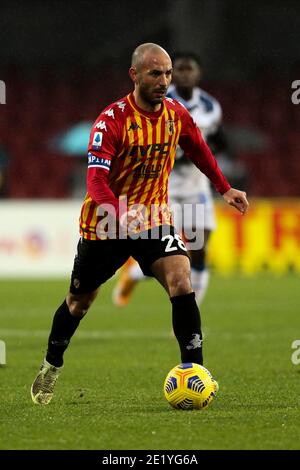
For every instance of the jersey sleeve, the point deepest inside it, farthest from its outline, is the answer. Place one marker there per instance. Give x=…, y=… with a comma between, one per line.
x=104, y=140
x=194, y=146
x=104, y=144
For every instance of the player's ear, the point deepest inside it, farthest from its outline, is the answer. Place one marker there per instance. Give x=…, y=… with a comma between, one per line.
x=133, y=74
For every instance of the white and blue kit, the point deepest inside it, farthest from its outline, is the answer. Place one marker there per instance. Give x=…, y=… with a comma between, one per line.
x=187, y=185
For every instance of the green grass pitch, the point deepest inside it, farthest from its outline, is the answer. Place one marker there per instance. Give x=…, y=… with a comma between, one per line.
x=110, y=393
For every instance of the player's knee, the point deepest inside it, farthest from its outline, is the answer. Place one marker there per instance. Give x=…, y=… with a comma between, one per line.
x=78, y=310
x=79, y=307
x=79, y=304
x=180, y=284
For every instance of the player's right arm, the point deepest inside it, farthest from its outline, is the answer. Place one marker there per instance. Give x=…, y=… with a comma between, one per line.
x=104, y=144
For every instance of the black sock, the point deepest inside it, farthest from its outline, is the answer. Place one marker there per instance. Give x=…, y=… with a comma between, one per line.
x=63, y=327
x=187, y=327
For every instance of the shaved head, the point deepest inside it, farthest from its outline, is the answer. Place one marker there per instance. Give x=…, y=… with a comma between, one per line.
x=146, y=50
x=151, y=73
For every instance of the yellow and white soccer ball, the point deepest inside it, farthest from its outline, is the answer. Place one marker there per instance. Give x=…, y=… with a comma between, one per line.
x=190, y=386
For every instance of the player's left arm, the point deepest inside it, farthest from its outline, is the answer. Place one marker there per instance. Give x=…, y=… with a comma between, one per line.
x=194, y=146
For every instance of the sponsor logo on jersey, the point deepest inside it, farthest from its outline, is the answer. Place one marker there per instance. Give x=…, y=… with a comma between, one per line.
x=150, y=150
x=98, y=162
x=148, y=171
x=110, y=113
x=97, y=140
x=121, y=105
x=134, y=126
x=101, y=125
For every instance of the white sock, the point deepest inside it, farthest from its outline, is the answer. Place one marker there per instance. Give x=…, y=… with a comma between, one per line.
x=199, y=281
x=135, y=272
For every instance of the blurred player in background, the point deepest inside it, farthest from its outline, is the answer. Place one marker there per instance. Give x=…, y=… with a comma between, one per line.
x=186, y=184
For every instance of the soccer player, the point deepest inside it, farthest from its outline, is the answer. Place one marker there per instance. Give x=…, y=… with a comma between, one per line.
x=187, y=185
x=131, y=152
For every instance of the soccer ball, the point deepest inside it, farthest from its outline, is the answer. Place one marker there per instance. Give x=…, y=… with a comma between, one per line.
x=190, y=386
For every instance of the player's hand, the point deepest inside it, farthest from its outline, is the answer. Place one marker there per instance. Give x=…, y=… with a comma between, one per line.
x=131, y=220
x=237, y=199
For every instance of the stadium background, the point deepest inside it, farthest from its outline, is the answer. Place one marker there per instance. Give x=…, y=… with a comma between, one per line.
x=62, y=70
x=62, y=62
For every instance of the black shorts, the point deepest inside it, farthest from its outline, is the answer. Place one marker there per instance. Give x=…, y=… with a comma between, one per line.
x=97, y=260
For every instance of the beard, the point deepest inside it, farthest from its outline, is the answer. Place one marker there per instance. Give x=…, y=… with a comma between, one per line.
x=148, y=95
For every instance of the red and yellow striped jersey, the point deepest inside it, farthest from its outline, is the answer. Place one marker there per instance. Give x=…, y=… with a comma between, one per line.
x=135, y=150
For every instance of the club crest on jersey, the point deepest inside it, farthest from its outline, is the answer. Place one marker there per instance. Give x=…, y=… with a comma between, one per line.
x=170, y=127
x=97, y=140
x=76, y=283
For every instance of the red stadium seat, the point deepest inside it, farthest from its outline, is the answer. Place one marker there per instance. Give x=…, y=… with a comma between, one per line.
x=46, y=102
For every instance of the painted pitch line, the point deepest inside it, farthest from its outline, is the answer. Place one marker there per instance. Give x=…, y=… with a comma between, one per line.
x=104, y=334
